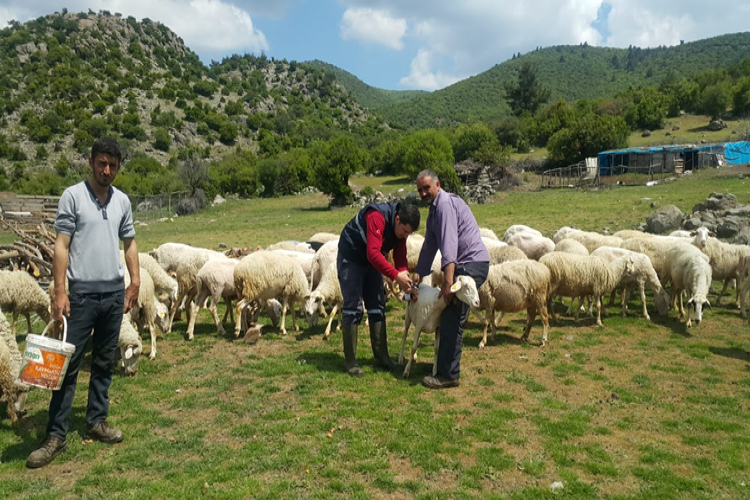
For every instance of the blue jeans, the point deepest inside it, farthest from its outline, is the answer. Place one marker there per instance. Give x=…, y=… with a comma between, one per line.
x=101, y=312
x=452, y=323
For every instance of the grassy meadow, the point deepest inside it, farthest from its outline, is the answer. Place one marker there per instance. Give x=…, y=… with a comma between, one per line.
x=635, y=410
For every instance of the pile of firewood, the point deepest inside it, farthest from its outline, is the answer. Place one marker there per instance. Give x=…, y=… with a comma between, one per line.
x=32, y=253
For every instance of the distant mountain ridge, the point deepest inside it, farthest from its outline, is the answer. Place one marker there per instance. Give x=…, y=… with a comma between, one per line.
x=570, y=72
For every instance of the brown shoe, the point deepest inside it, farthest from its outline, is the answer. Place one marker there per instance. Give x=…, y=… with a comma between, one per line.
x=438, y=382
x=46, y=453
x=102, y=431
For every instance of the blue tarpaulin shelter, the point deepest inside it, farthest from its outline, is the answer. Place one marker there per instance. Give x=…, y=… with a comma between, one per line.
x=737, y=153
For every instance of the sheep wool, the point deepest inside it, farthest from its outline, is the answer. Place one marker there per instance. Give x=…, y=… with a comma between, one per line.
x=267, y=275
x=21, y=294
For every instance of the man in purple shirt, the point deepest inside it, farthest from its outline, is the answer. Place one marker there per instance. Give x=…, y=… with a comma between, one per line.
x=452, y=229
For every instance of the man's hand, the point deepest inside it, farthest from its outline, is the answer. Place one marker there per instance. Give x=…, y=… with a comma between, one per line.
x=445, y=292
x=61, y=305
x=131, y=296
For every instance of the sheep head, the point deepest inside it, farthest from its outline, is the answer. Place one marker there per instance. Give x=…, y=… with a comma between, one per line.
x=465, y=289
x=312, y=307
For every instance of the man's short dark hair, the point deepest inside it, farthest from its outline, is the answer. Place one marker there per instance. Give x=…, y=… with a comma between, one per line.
x=106, y=146
x=409, y=215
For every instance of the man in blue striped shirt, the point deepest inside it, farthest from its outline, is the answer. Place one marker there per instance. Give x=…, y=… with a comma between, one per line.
x=452, y=229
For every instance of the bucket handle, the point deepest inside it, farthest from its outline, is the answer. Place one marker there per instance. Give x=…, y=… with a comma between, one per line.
x=65, y=328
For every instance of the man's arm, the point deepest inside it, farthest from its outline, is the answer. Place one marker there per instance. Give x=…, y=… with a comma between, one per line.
x=134, y=269
x=60, y=303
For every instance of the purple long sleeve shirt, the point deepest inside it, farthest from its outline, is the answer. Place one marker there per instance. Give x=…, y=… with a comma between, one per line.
x=452, y=229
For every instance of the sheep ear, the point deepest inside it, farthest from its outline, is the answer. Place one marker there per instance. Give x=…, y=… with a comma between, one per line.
x=712, y=234
x=456, y=286
x=708, y=304
x=129, y=352
x=693, y=233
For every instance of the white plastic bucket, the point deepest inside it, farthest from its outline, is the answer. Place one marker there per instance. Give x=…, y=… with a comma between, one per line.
x=46, y=360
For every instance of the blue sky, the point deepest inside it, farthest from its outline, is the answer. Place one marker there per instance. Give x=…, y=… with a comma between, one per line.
x=412, y=44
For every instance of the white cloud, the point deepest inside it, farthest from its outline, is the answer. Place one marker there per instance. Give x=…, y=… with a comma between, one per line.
x=422, y=76
x=211, y=28
x=468, y=37
x=373, y=26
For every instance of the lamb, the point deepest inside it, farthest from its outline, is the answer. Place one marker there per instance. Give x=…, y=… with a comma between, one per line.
x=328, y=291
x=570, y=245
x=519, y=228
x=592, y=240
x=514, y=286
x=305, y=259
x=576, y=275
x=690, y=271
x=215, y=280
x=265, y=275
x=486, y=232
x=724, y=258
x=131, y=346
x=168, y=254
x=322, y=259
x=21, y=294
x=643, y=275
x=425, y=313
x=533, y=245
x=163, y=282
x=187, y=269
x=12, y=390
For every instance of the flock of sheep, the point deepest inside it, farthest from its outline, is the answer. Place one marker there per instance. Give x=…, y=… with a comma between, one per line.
x=527, y=272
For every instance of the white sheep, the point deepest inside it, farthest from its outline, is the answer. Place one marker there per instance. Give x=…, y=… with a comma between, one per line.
x=214, y=280
x=724, y=257
x=130, y=345
x=21, y=294
x=328, y=292
x=656, y=249
x=148, y=311
x=690, y=271
x=188, y=266
x=592, y=240
x=322, y=238
x=295, y=246
x=643, y=275
x=533, y=245
x=305, y=259
x=168, y=254
x=681, y=233
x=577, y=275
x=519, y=228
x=626, y=234
x=498, y=255
x=426, y=311
x=12, y=390
x=322, y=259
x=563, y=232
x=490, y=243
x=514, y=286
x=486, y=232
x=570, y=245
x=266, y=275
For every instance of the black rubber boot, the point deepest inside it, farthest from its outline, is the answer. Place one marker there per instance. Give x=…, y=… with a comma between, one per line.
x=379, y=340
x=350, y=350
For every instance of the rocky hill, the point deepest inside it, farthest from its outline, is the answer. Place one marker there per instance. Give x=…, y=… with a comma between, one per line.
x=66, y=78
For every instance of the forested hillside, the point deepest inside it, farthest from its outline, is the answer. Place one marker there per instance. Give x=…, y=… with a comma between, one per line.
x=369, y=97
x=67, y=78
x=570, y=73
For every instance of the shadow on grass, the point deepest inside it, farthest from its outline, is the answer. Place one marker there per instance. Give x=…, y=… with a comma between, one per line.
x=399, y=181
x=731, y=352
x=311, y=209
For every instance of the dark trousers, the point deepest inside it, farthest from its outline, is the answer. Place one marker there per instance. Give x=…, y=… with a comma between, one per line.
x=360, y=282
x=102, y=313
x=452, y=323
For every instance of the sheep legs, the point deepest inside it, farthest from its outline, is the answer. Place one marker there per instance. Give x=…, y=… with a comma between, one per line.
x=327, y=333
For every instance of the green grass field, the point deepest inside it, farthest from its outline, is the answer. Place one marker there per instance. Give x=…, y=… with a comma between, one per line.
x=634, y=410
